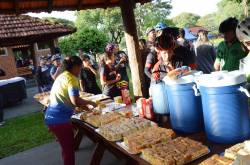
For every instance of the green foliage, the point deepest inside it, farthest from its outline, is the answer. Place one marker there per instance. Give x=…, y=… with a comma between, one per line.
x=186, y=20
x=86, y=39
x=91, y=39
x=68, y=45
x=228, y=8
x=110, y=20
x=149, y=14
x=89, y=18
x=209, y=22
x=64, y=22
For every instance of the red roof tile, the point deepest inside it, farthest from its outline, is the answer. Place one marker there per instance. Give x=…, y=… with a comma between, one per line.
x=19, y=28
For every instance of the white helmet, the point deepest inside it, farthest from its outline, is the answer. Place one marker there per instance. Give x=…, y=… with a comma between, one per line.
x=243, y=30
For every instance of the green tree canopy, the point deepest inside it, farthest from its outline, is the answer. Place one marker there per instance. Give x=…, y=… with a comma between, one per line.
x=149, y=14
x=186, y=20
x=209, y=22
x=229, y=8
x=62, y=21
x=110, y=20
x=88, y=39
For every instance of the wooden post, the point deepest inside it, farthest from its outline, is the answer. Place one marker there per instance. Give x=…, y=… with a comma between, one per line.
x=52, y=46
x=34, y=55
x=135, y=61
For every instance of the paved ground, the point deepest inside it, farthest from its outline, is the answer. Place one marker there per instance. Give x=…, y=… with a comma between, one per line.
x=49, y=154
x=27, y=106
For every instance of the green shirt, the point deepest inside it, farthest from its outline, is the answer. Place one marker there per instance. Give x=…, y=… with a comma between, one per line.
x=229, y=56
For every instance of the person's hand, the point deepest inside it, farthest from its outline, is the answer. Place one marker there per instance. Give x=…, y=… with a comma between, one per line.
x=123, y=59
x=92, y=104
x=88, y=65
x=59, y=69
x=118, y=77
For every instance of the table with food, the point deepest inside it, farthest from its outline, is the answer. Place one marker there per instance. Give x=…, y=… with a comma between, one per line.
x=211, y=127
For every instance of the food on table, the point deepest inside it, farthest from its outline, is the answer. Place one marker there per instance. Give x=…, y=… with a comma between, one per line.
x=98, y=120
x=216, y=160
x=242, y=156
x=125, y=126
x=101, y=106
x=128, y=113
x=232, y=152
x=178, y=151
x=148, y=137
x=43, y=98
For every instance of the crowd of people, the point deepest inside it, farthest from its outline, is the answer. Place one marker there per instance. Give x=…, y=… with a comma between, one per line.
x=165, y=50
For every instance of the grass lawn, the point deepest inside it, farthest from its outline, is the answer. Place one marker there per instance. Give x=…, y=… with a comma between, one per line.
x=22, y=133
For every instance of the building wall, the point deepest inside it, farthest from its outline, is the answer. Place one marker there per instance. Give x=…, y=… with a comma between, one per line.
x=8, y=64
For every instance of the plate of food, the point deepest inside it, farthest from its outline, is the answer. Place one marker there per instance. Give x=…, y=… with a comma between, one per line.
x=177, y=151
x=115, y=131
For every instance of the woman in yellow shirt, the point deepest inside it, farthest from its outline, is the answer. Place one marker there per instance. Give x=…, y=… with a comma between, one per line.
x=63, y=98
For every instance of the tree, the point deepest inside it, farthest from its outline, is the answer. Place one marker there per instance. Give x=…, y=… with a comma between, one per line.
x=209, y=22
x=108, y=20
x=88, y=39
x=229, y=8
x=64, y=22
x=245, y=4
x=113, y=24
x=149, y=14
x=89, y=18
x=186, y=20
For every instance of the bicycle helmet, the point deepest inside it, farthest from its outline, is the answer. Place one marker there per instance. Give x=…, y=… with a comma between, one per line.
x=160, y=26
x=110, y=48
x=243, y=30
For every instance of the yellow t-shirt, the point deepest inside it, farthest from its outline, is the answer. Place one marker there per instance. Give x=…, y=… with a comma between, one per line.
x=60, y=108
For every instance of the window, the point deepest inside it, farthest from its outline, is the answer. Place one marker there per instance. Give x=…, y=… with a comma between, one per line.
x=3, y=52
x=42, y=45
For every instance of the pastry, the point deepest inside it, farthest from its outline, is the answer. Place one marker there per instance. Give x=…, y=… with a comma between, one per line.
x=125, y=126
x=178, y=151
x=148, y=137
x=232, y=151
x=98, y=120
x=217, y=160
x=126, y=113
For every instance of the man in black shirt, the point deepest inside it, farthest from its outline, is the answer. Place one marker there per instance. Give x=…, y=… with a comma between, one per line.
x=88, y=77
x=121, y=63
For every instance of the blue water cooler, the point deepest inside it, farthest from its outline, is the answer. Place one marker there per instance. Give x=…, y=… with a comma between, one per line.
x=225, y=107
x=159, y=97
x=184, y=105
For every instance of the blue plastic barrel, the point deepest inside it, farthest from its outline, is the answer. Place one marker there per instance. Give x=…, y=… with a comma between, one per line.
x=226, y=115
x=159, y=97
x=185, y=108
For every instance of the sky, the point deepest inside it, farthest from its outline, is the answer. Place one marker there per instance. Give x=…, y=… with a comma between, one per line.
x=200, y=7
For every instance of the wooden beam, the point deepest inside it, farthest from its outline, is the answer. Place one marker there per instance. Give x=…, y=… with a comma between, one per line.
x=106, y=4
x=79, y=4
x=16, y=6
x=132, y=43
x=50, y=6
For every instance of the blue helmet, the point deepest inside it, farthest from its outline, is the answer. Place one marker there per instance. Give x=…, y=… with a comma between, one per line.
x=160, y=26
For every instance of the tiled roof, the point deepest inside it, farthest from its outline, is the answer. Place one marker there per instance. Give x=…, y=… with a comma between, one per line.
x=23, y=27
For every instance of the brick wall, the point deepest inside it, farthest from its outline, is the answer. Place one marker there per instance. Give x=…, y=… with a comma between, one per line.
x=7, y=63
